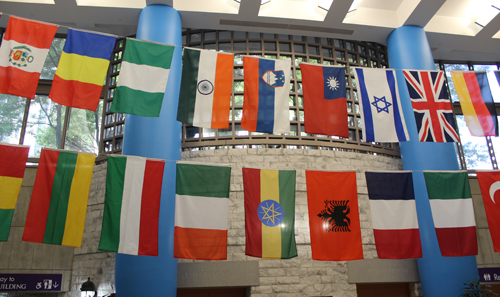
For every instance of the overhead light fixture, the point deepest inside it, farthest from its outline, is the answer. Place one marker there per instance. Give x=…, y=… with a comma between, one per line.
x=486, y=15
x=325, y=4
x=88, y=289
x=355, y=4
x=262, y=2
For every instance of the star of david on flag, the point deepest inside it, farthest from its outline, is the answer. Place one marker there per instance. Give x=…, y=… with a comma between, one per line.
x=381, y=112
x=431, y=106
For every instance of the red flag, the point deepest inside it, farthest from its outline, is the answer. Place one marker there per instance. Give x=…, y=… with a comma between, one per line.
x=333, y=216
x=489, y=183
x=325, y=104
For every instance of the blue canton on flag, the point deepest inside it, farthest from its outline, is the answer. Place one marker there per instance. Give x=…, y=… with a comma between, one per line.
x=334, y=82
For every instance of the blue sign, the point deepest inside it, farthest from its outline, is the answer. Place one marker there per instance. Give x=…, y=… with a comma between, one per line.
x=270, y=213
x=30, y=282
x=489, y=274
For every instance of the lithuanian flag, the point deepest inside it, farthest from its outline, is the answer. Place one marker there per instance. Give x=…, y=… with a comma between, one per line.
x=58, y=206
x=269, y=213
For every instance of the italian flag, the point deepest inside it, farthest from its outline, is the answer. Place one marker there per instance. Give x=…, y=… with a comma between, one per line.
x=269, y=213
x=201, y=206
x=205, y=95
x=58, y=205
x=451, y=204
x=143, y=78
x=132, y=205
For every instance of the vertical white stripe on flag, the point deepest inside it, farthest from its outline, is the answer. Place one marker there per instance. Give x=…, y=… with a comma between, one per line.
x=394, y=214
x=281, y=113
x=131, y=205
x=36, y=56
x=204, y=103
x=453, y=213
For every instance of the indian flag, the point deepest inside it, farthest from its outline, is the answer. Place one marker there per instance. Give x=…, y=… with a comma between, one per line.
x=201, y=205
x=269, y=213
x=132, y=205
x=12, y=165
x=58, y=205
x=205, y=95
x=453, y=213
x=143, y=78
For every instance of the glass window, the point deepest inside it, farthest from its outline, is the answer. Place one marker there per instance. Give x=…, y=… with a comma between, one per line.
x=313, y=50
x=209, y=36
x=196, y=37
x=327, y=52
x=285, y=47
x=254, y=35
x=340, y=55
x=225, y=47
x=475, y=149
x=207, y=132
x=83, y=130
x=269, y=36
x=224, y=34
x=270, y=46
x=11, y=118
x=240, y=46
x=52, y=59
x=240, y=35
x=299, y=48
x=254, y=46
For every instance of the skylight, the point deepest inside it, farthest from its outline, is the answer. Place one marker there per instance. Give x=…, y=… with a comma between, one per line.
x=113, y=3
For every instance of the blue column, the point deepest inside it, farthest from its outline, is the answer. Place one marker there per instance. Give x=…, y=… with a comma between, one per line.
x=156, y=138
x=440, y=276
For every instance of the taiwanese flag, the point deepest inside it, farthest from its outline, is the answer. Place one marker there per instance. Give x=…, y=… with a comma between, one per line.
x=332, y=200
x=489, y=183
x=325, y=103
x=269, y=213
x=394, y=215
x=476, y=100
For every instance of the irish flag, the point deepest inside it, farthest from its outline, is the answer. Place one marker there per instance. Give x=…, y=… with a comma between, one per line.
x=269, y=213
x=452, y=212
x=205, y=95
x=58, y=205
x=132, y=205
x=12, y=165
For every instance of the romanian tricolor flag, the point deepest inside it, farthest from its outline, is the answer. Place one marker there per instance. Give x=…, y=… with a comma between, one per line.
x=477, y=103
x=12, y=164
x=269, y=213
x=82, y=69
x=58, y=206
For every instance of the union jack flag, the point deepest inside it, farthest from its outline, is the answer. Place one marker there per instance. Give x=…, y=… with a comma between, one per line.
x=431, y=106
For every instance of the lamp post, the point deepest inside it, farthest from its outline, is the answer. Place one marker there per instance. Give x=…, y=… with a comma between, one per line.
x=88, y=289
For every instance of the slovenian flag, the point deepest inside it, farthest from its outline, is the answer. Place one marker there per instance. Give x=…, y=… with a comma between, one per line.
x=265, y=105
x=201, y=206
x=58, y=205
x=269, y=213
x=82, y=69
x=325, y=103
x=206, y=85
x=476, y=100
x=132, y=205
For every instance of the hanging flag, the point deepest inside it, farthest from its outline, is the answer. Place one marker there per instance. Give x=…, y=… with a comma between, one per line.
x=394, y=215
x=476, y=101
x=489, y=183
x=132, y=205
x=24, y=48
x=325, y=103
x=82, y=69
x=206, y=85
x=12, y=165
x=58, y=205
x=201, y=206
x=143, y=78
x=431, y=106
x=452, y=212
x=265, y=104
x=332, y=200
x=381, y=112
x=269, y=213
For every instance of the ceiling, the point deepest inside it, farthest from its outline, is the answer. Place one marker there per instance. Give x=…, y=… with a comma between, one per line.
x=451, y=25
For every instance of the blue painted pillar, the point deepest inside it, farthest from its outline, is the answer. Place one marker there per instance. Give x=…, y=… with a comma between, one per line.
x=156, y=138
x=440, y=276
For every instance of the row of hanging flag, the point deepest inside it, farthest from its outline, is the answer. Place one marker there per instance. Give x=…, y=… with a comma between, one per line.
x=58, y=206
x=206, y=87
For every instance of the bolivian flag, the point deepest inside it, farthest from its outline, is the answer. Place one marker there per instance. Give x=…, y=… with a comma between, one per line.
x=58, y=205
x=269, y=213
x=12, y=165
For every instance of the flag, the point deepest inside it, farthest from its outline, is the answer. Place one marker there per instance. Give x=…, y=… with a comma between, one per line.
x=24, y=48
x=381, y=112
x=206, y=85
x=431, y=106
x=132, y=205
x=394, y=215
x=269, y=213
x=325, y=103
x=476, y=101
x=332, y=200
x=82, y=69
x=58, y=205
x=489, y=183
x=12, y=164
x=452, y=211
x=265, y=104
x=143, y=78
x=201, y=206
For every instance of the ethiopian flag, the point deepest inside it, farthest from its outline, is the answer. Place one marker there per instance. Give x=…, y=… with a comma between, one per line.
x=269, y=213
x=58, y=206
